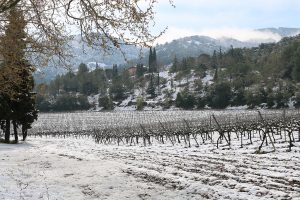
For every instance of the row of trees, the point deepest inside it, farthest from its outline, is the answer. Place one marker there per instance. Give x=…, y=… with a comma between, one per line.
x=222, y=95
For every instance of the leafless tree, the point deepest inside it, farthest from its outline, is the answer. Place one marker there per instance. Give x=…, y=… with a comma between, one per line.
x=102, y=24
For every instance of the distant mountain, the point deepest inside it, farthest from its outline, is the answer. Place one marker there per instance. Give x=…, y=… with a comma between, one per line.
x=183, y=47
x=82, y=53
x=85, y=54
x=196, y=45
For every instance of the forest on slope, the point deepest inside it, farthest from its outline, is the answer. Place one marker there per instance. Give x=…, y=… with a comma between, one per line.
x=265, y=76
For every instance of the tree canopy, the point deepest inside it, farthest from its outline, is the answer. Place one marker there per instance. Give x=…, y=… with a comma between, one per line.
x=50, y=24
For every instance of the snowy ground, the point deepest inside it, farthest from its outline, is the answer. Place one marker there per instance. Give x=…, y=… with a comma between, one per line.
x=80, y=169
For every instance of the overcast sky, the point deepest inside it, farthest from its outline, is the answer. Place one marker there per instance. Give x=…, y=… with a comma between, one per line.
x=231, y=18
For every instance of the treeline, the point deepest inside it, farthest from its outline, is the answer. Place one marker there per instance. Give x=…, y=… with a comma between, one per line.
x=266, y=76
x=70, y=91
x=112, y=85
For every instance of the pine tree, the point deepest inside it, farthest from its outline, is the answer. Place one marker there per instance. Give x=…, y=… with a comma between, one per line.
x=158, y=84
x=179, y=100
x=296, y=65
x=12, y=47
x=82, y=68
x=216, y=75
x=150, y=61
x=214, y=60
x=139, y=70
x=154, y=61
x=115, y=71
x=184, y=64
x=151, y=88
x=175, y=65
x=106, y=102
x=220, y=58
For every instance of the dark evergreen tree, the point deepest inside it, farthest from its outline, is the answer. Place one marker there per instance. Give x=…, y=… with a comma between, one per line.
x=185, y=99
x=220, y=96
x=154, y=61
x=189, y=101
x=201, y=103
x=117, y=90
x=42, y=104
x=296, y=65
x=216, y=75
x=214, y=60
x=88, y=88
x=151, y=88
x=184, y=65
x=220, y=58
x=179, y=100
x=21, y=110
x=83, y=68
x=115, y=71
x=239, y=98
x=175, y=65
x=106, y=102
x=150, y=61
x=68, y=102
x=140, y=70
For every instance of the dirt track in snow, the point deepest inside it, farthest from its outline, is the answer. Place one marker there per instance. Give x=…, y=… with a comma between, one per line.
x=80, y=169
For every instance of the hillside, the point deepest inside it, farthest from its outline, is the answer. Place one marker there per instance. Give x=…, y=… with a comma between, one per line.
x=183, y=47
x=266, y=76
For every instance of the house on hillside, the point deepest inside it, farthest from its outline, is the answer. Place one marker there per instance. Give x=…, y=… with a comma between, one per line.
x=132, y=71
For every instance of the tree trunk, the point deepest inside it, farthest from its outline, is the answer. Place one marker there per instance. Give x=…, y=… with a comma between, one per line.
x=24, y=133
x=15, y=132
x=7, y=131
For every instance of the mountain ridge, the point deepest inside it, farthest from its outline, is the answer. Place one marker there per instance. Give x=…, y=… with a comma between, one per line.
x=182, y=47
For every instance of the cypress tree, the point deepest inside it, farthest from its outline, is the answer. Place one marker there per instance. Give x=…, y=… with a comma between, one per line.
x=150, y=61
x=220, y=57
x=154, y=61
x=115, y=71
x=21, y=104
x=214, y=60
x=175, y=65
x=151, y=88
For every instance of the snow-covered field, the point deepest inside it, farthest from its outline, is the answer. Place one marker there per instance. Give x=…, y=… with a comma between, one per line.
x=80, y=169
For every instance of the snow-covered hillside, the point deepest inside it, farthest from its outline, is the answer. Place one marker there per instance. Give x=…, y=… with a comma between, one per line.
x=170, y=85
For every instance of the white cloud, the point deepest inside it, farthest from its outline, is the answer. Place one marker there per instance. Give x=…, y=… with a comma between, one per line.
x=225, y=18
x=236, y=33
x=241, y=34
